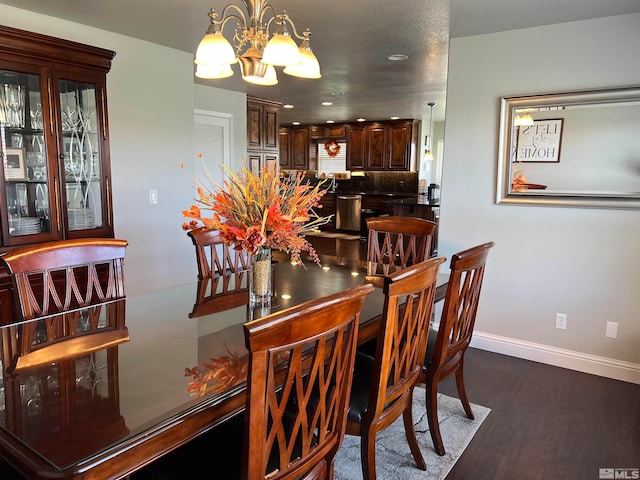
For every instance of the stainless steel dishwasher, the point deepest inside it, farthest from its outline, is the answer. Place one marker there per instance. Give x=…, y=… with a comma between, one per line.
x=348, y=212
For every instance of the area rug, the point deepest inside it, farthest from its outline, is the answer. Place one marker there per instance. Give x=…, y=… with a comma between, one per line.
x=393, y=457
x=340, y=236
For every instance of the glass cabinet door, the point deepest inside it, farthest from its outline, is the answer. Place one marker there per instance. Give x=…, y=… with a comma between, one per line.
x=82, y=156
x=24, y=155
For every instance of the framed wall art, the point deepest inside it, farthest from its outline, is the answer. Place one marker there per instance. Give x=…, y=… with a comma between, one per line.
x=14, y=166
x=539, y=142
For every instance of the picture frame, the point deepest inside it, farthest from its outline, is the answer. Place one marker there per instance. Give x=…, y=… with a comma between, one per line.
x=540, y=142
x=14, y=164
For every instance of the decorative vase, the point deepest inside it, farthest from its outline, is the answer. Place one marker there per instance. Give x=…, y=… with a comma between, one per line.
x=260, y=277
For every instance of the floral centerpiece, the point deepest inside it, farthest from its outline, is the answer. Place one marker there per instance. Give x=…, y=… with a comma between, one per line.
x=257, y=213
x=253, y=211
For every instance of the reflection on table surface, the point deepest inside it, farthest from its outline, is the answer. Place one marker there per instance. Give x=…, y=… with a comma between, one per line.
x=92, y=406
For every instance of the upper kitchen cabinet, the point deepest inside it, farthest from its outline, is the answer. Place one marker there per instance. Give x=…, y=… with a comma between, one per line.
x=56, y=180
x=294, y=148
x=299, y=148
x=356, y=147
x=285, y=147
x=390, y=145
x=263, y=124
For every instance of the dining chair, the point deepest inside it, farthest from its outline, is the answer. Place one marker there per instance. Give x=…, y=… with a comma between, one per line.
x=395, y=243
x=383, y=384
x=69, y=299
x=213, y=255
x=446, y=345
x=221, y=292
x=298, y=384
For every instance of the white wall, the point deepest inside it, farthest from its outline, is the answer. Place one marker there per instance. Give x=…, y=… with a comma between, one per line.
x=151, y=98
x=582, y=262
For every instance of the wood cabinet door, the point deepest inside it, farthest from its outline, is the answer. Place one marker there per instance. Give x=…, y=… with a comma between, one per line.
x=356, y=147
x=377, y=147
x=337, y=131
x=399, y=146
x=285, y=147
x=318, y=131
x=254, y=125
x=271, y=123
x=299, y=148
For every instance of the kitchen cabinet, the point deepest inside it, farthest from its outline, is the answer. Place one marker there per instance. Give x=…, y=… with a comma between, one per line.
x=328, y=202
x=377, y=147
x=356, y=147
x=318, y=132
x=263, y=130
x=389, y=146
x=381, y=146
x=299, y=148
x=56, y=180
x=284, y=149
x=294, y=148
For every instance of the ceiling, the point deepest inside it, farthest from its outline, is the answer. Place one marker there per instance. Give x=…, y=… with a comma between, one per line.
x=352, y=40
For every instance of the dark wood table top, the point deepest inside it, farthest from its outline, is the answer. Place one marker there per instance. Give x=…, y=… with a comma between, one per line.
x=105, y=414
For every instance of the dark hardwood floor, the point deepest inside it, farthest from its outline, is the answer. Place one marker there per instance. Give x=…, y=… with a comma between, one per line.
x=545, y=423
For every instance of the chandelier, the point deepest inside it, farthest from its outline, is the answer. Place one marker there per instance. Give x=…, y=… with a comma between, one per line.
x=252, y=48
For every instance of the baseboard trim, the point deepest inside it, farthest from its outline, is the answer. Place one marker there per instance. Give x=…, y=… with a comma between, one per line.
x=581, y=362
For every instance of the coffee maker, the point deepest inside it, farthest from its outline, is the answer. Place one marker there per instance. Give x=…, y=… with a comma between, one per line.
x=433, y=193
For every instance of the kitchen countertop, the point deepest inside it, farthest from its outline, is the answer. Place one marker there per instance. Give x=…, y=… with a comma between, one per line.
x=383, y=194
x=414, y=200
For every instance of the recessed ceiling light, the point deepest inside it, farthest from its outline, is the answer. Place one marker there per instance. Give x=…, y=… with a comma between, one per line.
x=295, y=123
x=331, y=121
x=287, y=106
x=327, y=103
x=397, y=57
x=394, y=118
x=360, y=119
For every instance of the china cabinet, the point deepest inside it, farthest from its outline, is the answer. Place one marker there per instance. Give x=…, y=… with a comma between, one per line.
x=54, y=144
x=54, y=139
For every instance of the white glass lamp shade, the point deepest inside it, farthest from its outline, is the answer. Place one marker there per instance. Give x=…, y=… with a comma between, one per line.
x=308, y=68
x=214, y=49
x=268, y=79
x=428, y=155
x=281, y=50
x=206, y=70
x=524, y=119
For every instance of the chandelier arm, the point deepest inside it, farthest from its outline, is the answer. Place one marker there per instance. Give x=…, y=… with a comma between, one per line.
x=227, y=16
x=295, y=31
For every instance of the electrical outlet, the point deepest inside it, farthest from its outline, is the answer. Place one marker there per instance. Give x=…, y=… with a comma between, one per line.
x=153, y=197
x=561, y=321
x=612, y=330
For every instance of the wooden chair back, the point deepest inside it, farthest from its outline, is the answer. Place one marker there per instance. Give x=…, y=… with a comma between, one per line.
x=300, y=370
x=460, y=305
x=214, y=256
x=395, y=243
x=392, y=374
x=447, y=346
x=221, y=292
x=60, y=276
x=70, y=296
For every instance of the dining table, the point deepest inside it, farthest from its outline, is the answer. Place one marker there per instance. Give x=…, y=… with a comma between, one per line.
x=105, y=414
